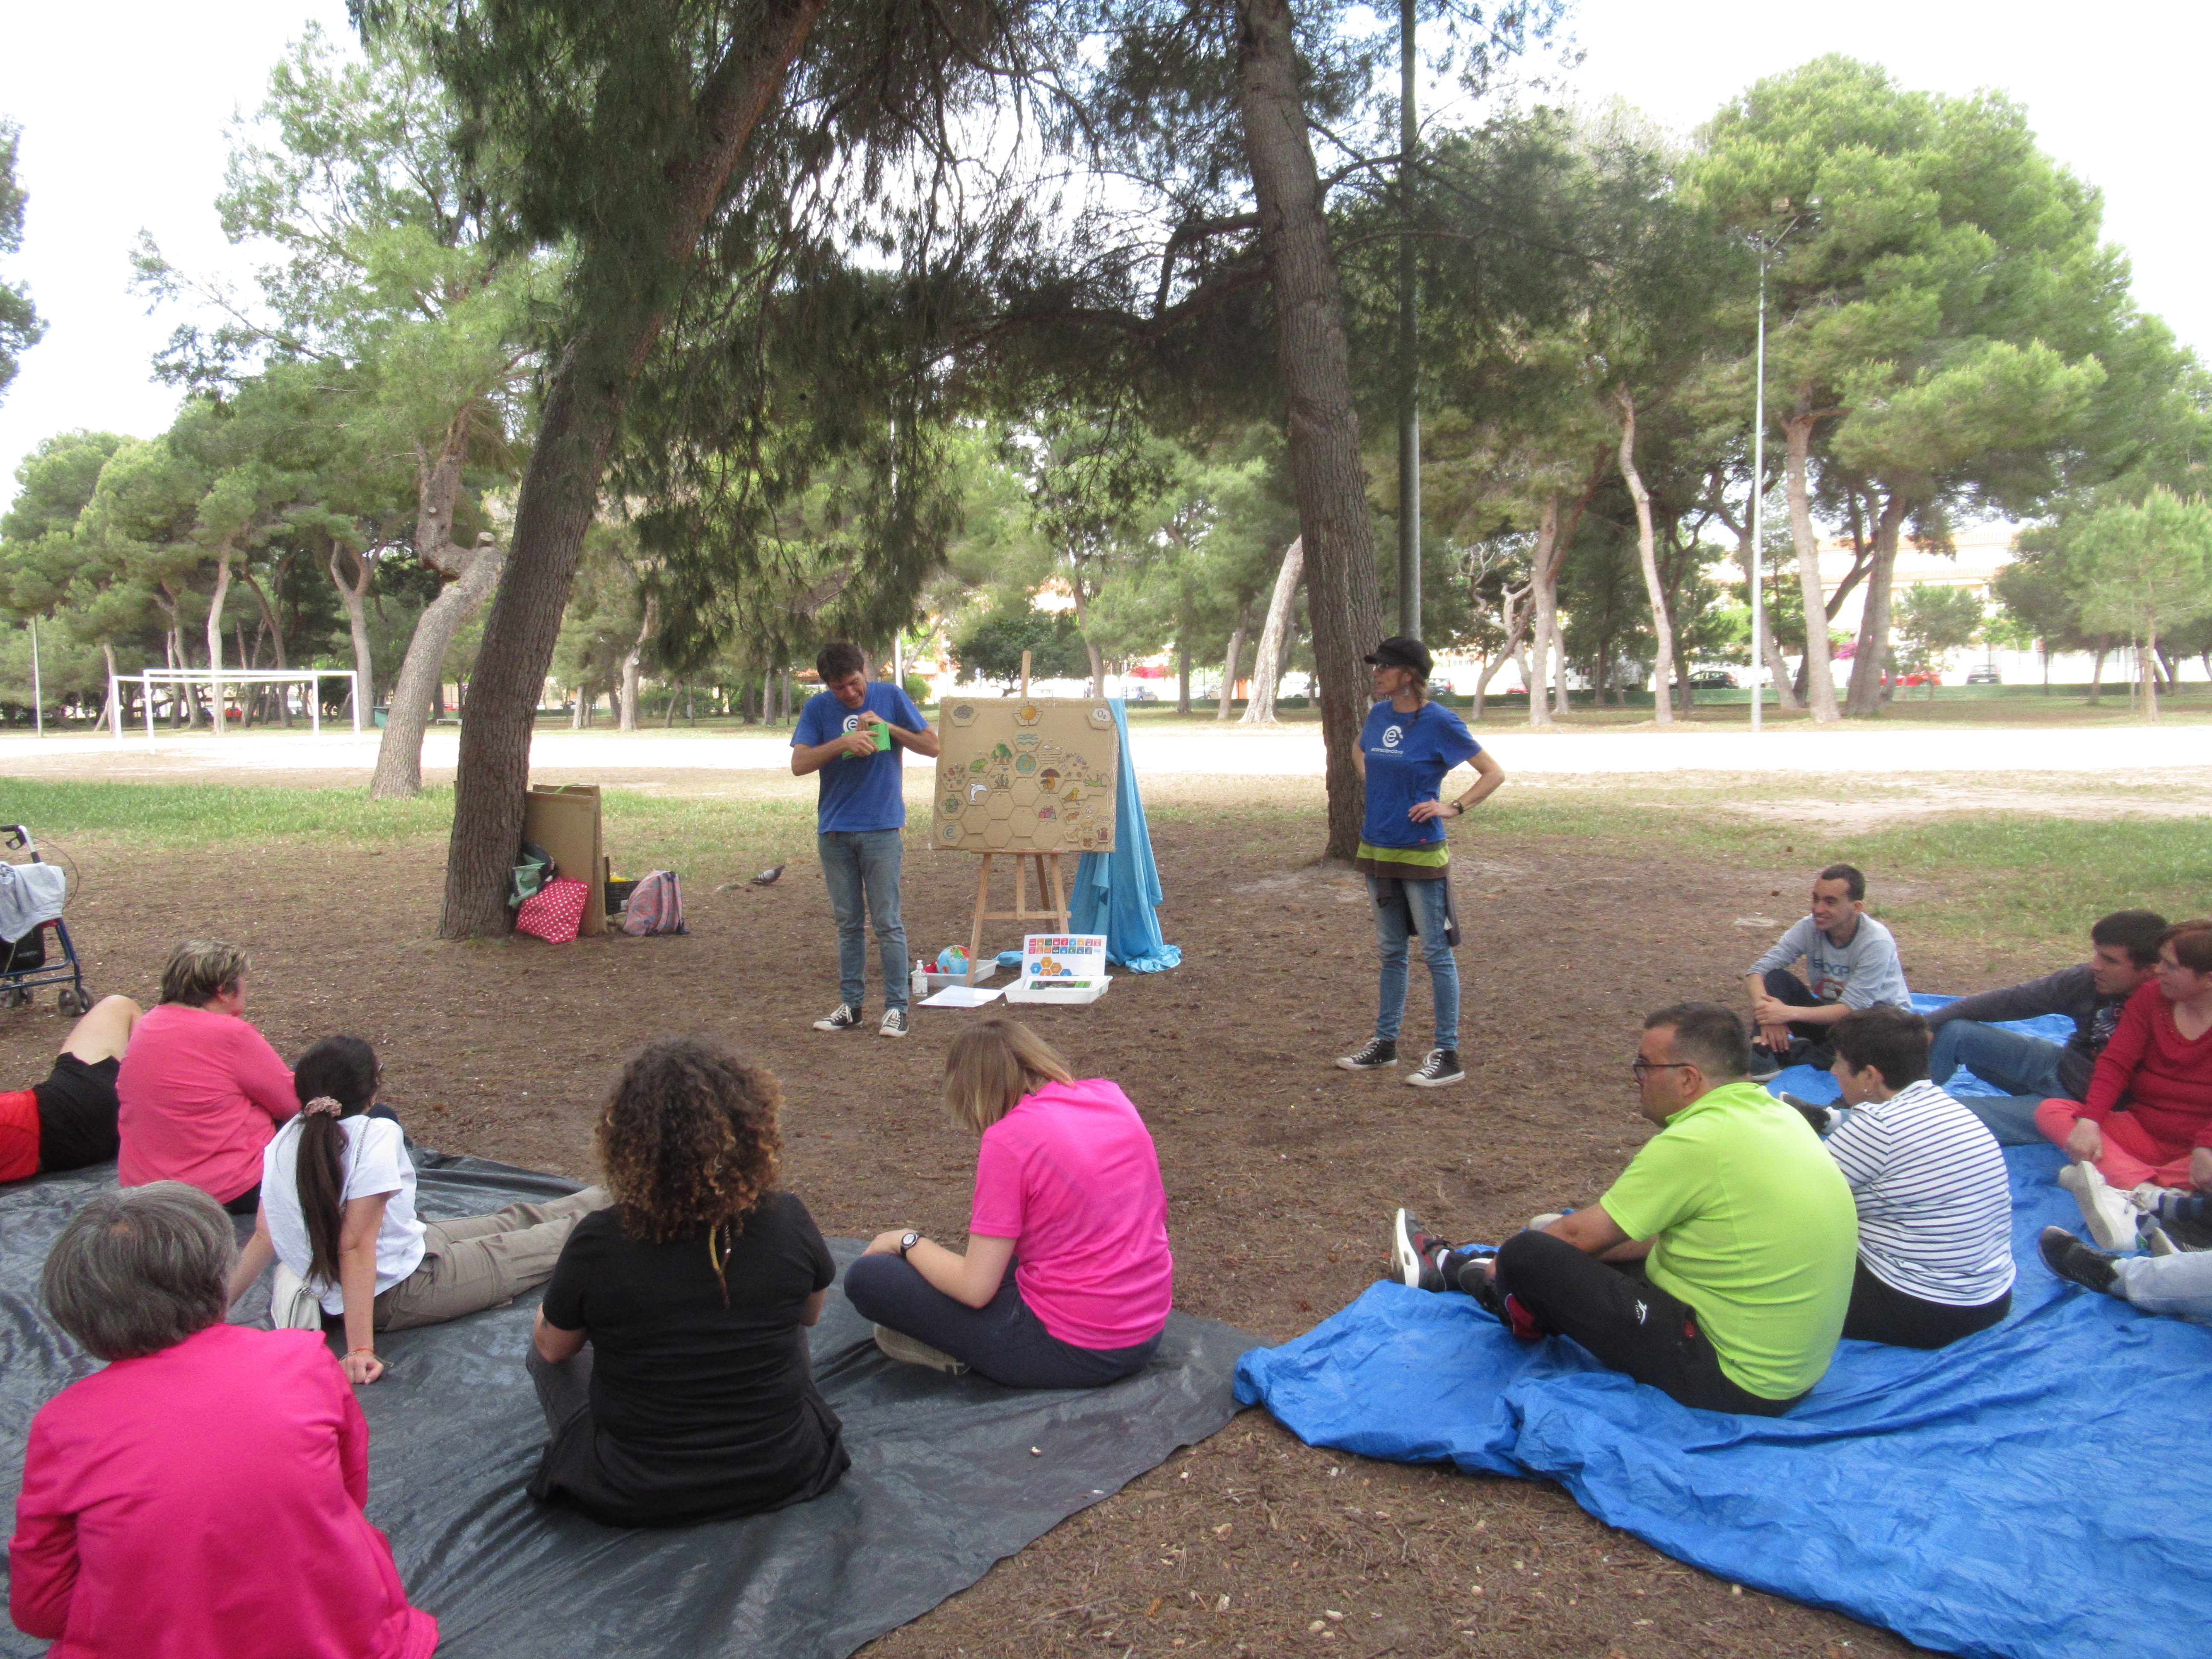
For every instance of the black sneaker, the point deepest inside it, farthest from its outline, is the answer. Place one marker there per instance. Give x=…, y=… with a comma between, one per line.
x=1441, y=1066
x=1414, y=1252
x=2075, y=1261
x=1378, y=1053
x=1822, y=1118
x=1765, y=1068
x=844, y=1018
x=894, y=1023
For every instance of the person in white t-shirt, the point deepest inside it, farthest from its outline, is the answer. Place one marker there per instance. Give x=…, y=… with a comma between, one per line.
x=337, y=1216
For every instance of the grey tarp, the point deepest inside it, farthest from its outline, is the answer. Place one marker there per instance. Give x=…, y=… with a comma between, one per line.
x=943, y=1480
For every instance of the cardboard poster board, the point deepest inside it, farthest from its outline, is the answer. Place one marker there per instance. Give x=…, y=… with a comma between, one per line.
x=1026, y=774
x=565, y=821
x=1065, y=968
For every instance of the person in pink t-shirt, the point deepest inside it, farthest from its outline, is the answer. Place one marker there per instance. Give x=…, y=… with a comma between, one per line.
x=200, y=1497
x=201, y=1092
x=1067, y=1196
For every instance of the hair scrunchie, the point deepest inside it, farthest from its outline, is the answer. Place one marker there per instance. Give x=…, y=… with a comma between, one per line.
x=325, y=1105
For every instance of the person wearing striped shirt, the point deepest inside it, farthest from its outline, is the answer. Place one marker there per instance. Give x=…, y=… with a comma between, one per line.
x=1935, y=1205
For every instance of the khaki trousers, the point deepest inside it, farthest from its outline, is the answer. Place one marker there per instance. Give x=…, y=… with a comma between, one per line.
x=482, y=1261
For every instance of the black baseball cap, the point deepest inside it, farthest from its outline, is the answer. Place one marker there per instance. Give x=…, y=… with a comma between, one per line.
x=1402, y=652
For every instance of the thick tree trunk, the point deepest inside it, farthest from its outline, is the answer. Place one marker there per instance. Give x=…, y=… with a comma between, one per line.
x=2097, y=675
x=1343, y=599
x=415, y=693
x=1647, y=553
x=1183, y=677
x=624, y=296
x=1514, y=614
x=1275, y=635
x=1820, y=669
x=1870, y=661
x=1236, y=655
x=633, y=665
x=1544, y=607
x=2145, y=658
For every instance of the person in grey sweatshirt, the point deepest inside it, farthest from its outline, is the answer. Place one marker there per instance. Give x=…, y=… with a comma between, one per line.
x=1850, y=961
x=2123, y=955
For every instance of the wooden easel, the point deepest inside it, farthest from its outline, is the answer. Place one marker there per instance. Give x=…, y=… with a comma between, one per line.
x=1048, y=886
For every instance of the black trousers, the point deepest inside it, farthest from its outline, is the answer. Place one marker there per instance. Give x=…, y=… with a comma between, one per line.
x=1811, y=1048
x=1628, y=1322
x=1882, y=1313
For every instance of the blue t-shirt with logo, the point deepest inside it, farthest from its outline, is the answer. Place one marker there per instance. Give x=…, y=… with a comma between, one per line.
x=1407, y=755
x=856, y=794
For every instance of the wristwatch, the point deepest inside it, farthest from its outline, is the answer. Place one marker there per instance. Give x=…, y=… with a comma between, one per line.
x=907, y=1242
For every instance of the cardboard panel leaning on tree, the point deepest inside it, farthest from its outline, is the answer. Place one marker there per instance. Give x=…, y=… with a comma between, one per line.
x=1026, y=774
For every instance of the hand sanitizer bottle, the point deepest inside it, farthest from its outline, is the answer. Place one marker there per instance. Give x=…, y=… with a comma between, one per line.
x=920, y=986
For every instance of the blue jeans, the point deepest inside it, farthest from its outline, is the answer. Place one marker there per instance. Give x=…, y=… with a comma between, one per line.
x=1003, y=1339
x=2177, y=1285
x=861, y=867
x=2024, y=1067
x=1425, y=899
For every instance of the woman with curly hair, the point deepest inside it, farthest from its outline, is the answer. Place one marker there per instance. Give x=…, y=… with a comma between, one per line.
x=1067, y=1280
x=670, y=1353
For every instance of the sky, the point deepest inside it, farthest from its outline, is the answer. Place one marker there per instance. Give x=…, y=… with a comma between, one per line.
x=123, y=104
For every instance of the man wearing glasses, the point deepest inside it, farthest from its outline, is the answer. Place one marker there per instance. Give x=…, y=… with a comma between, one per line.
x=1717, y=1267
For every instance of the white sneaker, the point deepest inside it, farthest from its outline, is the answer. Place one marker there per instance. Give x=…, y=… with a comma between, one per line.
x=2111, y=1219
x=910, y=1350
x=1538, y=1223
x=843, y=1017
x=292, y=1305
x=894, y=1023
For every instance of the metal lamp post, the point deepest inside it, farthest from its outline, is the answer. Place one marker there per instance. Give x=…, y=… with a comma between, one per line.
x=1409, y=409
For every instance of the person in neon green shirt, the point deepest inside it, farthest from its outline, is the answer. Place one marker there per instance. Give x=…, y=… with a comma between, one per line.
x=1717, y=1267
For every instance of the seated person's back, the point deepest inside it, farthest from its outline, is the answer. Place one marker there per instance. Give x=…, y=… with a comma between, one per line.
x=672, y=1355
x=200, y=1091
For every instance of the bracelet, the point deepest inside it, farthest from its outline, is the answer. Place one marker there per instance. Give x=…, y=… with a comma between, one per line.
x=352, y=1352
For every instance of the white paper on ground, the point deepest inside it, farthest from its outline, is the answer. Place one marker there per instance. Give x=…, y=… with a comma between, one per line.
x=964, y=996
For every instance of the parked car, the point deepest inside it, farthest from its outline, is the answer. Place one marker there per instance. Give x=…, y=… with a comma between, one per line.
x=1985, y=675
x=1712, y=679
x=1144, y=694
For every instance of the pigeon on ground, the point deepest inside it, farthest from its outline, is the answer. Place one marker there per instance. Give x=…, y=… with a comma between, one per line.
x=766, y=879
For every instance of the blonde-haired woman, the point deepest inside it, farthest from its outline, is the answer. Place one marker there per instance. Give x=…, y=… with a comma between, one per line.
x=1067, y=1280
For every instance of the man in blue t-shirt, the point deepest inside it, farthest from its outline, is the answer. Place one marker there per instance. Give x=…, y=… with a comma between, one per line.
x=851, y=732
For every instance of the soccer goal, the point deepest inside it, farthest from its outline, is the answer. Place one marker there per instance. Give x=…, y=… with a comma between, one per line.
x=178, y=680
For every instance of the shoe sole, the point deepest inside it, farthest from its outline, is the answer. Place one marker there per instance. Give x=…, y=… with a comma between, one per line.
x=1417, y=1081
x=831, y=1025
x=1346, y=1063
x=910, y=1350
x=901, y=1032
x=2111, y=1232
x=1403, y=1260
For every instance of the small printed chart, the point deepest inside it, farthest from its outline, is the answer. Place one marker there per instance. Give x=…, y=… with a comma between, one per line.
x=1026, y=774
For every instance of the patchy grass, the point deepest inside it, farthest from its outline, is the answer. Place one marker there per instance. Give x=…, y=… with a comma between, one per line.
x=2007, y=878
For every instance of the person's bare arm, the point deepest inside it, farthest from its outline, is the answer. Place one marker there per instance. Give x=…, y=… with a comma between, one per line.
x=554, y=1345
x=1592, y=1231
x=811, y=1313
x=358, y=1226
x=971, y=1279
x=1771, y=1015
x=813, y=757
x=254, y=1260
x=924, y=742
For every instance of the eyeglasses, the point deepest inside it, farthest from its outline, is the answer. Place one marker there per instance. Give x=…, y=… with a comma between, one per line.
x=1640, y=1066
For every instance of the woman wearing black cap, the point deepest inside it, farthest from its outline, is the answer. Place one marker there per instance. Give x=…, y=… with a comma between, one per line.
x=1406, y=748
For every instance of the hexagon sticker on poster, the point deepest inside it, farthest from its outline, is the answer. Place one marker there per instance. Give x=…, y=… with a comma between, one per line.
x=1005, y=800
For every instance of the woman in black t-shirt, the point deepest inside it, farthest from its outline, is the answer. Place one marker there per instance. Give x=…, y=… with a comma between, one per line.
x=670, y=1353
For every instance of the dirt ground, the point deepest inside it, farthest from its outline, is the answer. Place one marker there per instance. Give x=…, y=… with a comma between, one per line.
x=1281, y=1171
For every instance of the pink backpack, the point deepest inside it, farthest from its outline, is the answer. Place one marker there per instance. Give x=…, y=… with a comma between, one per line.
x=656, y=905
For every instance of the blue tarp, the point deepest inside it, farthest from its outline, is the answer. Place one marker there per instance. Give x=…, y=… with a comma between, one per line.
x=1118, y=893
x=2035, y=1492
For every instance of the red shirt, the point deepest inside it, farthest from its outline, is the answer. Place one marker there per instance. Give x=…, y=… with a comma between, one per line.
x=2164, y=1078
x=205, y=1503
x=201, y=1092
